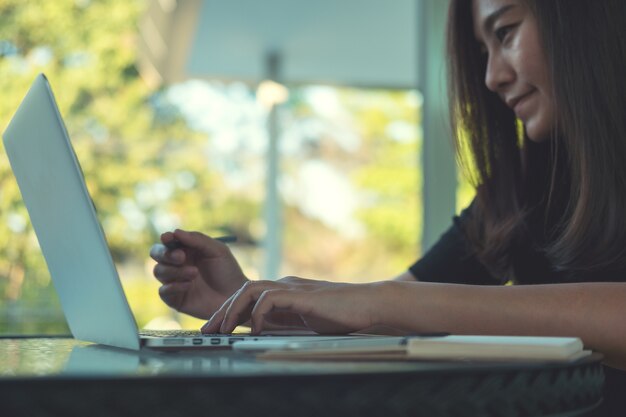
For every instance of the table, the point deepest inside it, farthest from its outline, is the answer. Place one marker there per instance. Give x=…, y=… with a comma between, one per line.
x=64, y=377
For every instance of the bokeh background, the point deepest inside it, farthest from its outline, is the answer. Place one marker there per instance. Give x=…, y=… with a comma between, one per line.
x=192, y=155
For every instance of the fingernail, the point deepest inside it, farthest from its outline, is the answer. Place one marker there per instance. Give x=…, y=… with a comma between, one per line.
x=207, y=325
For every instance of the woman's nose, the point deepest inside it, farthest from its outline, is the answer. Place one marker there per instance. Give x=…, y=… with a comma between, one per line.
x=499, y=73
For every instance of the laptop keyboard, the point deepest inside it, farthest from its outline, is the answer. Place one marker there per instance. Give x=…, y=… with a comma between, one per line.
x=181, y=333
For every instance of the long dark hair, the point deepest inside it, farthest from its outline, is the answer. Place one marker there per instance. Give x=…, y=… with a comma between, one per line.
x=578, y=180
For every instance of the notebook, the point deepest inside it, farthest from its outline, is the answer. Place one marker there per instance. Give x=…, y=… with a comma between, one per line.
x=71, y=238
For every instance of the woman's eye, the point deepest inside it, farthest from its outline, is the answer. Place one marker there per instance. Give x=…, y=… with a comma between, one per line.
x=503, y=32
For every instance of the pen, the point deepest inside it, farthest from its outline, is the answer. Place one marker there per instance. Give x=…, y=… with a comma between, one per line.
x=176, y=244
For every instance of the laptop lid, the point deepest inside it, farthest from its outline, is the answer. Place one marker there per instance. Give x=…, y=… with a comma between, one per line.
x=65, y=222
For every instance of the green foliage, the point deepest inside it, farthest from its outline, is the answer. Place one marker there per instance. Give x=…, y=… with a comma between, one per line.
x=386, y=172
x=392, y=178
x=143, y=166
x=147, y=169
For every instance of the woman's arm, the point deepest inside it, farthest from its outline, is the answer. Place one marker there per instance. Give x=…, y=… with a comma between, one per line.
x=595, y=312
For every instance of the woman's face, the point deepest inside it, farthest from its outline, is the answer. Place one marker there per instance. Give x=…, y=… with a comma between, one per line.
x=516, y=67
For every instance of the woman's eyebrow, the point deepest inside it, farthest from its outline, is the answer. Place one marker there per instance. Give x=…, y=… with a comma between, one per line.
x=491, y=19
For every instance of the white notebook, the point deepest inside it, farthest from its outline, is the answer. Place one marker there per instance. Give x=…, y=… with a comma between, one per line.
x=496, y=347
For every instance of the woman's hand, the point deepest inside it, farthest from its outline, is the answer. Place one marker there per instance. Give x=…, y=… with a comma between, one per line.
x=198, y=277
x=321, y=306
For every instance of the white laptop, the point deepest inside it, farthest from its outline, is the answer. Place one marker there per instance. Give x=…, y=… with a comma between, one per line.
x=71, y=238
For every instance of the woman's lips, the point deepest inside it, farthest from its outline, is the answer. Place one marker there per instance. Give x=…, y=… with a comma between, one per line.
x=521, y=105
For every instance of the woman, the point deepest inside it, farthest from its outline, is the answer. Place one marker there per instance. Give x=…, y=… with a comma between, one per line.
x=537, y=89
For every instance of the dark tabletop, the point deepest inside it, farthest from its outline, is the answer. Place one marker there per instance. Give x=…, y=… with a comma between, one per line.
x=65, y=377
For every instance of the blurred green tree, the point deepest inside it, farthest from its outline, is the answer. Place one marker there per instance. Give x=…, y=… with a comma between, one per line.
x=382, y=164
x=147, y=169
x=144, y=167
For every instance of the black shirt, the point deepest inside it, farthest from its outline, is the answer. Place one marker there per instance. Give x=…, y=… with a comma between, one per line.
x=452, y=260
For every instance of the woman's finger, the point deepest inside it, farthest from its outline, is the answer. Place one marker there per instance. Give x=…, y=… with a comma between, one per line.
x=285, y=300
x=241, y=306
x=167, y=274
x=208, y=247
x=238, y=305
x=161, y=254
x=214, y=324
x=279, y=320
x=174, y=294
x=157, y=251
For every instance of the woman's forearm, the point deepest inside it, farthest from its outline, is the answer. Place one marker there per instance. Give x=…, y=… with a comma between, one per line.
x=595, y=312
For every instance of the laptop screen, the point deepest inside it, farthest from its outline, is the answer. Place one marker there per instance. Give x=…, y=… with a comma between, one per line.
x=65, y=222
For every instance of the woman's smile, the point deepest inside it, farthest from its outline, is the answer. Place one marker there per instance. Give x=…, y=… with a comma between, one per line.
x=525, y=106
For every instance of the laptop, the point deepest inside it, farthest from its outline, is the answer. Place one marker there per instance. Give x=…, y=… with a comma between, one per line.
x=72, y=240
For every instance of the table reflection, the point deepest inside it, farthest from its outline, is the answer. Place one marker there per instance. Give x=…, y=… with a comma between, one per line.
x=70, y=357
